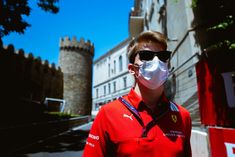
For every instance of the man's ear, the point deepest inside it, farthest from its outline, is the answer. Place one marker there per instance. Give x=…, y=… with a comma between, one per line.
x=131, y=69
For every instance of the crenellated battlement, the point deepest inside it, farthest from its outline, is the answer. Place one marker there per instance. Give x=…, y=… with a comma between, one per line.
x=72, y=44
x=25, y=77
x=10, y=50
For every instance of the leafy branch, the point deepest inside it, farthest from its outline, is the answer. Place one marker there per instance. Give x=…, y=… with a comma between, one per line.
x=13, y=11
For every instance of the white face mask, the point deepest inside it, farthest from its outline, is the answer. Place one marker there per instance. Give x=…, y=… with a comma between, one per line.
x=152, y=74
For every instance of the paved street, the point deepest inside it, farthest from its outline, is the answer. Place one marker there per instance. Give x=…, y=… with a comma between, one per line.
x=57, y=154
x=70, y=144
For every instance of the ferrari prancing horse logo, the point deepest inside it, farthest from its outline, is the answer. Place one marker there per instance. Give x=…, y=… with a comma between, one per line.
x=174, y=118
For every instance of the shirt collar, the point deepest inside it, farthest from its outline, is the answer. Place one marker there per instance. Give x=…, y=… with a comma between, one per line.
x=136, y=100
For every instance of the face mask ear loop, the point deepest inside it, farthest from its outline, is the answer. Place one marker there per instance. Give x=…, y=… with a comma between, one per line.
x=136, y=66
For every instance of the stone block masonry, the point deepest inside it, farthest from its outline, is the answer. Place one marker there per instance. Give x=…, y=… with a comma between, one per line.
x=76, y=64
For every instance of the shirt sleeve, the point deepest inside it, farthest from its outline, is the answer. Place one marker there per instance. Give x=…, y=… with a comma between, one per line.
x=187, y=144
x=96, y=144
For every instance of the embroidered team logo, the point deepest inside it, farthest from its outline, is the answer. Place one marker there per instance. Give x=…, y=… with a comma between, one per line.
x=174, y=118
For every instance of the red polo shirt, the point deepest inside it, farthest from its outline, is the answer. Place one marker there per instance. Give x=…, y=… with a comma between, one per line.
x=117, y=131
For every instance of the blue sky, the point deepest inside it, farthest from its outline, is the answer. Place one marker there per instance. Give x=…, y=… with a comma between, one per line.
x=103, y=22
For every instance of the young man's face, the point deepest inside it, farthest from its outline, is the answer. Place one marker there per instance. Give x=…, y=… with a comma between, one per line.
x=147, y=52
x=150, y=46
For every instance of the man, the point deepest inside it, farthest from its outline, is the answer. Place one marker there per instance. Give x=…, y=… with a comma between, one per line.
x=144, y=123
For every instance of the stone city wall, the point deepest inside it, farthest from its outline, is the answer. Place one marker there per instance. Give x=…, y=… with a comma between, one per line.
x=24, y=79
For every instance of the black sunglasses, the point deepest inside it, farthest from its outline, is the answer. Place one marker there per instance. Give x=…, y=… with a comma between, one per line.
x=147, y=55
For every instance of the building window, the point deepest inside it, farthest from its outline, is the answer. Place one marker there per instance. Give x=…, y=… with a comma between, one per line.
x=104, y=90
x=114, y=67
x=114, y=87
x=109, y=70
x=97, y=92
x=127, y=60
x=97, y=106
x=120, y=63
x=124, y=83
x=109, y=86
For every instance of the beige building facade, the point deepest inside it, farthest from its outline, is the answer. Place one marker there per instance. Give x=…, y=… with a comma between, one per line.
x=111, y=78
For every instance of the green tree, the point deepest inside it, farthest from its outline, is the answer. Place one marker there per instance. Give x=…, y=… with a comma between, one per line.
x=216, y=23
x=12, y=12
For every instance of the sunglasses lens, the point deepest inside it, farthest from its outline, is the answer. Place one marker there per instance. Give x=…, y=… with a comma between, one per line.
x=163, y=56
x=146, y=55
x=149, y=55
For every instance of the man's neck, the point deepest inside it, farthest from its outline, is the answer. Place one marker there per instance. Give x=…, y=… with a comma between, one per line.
x=150, y=97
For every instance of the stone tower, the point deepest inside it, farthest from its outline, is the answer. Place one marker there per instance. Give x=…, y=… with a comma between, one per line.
x=75, y=61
